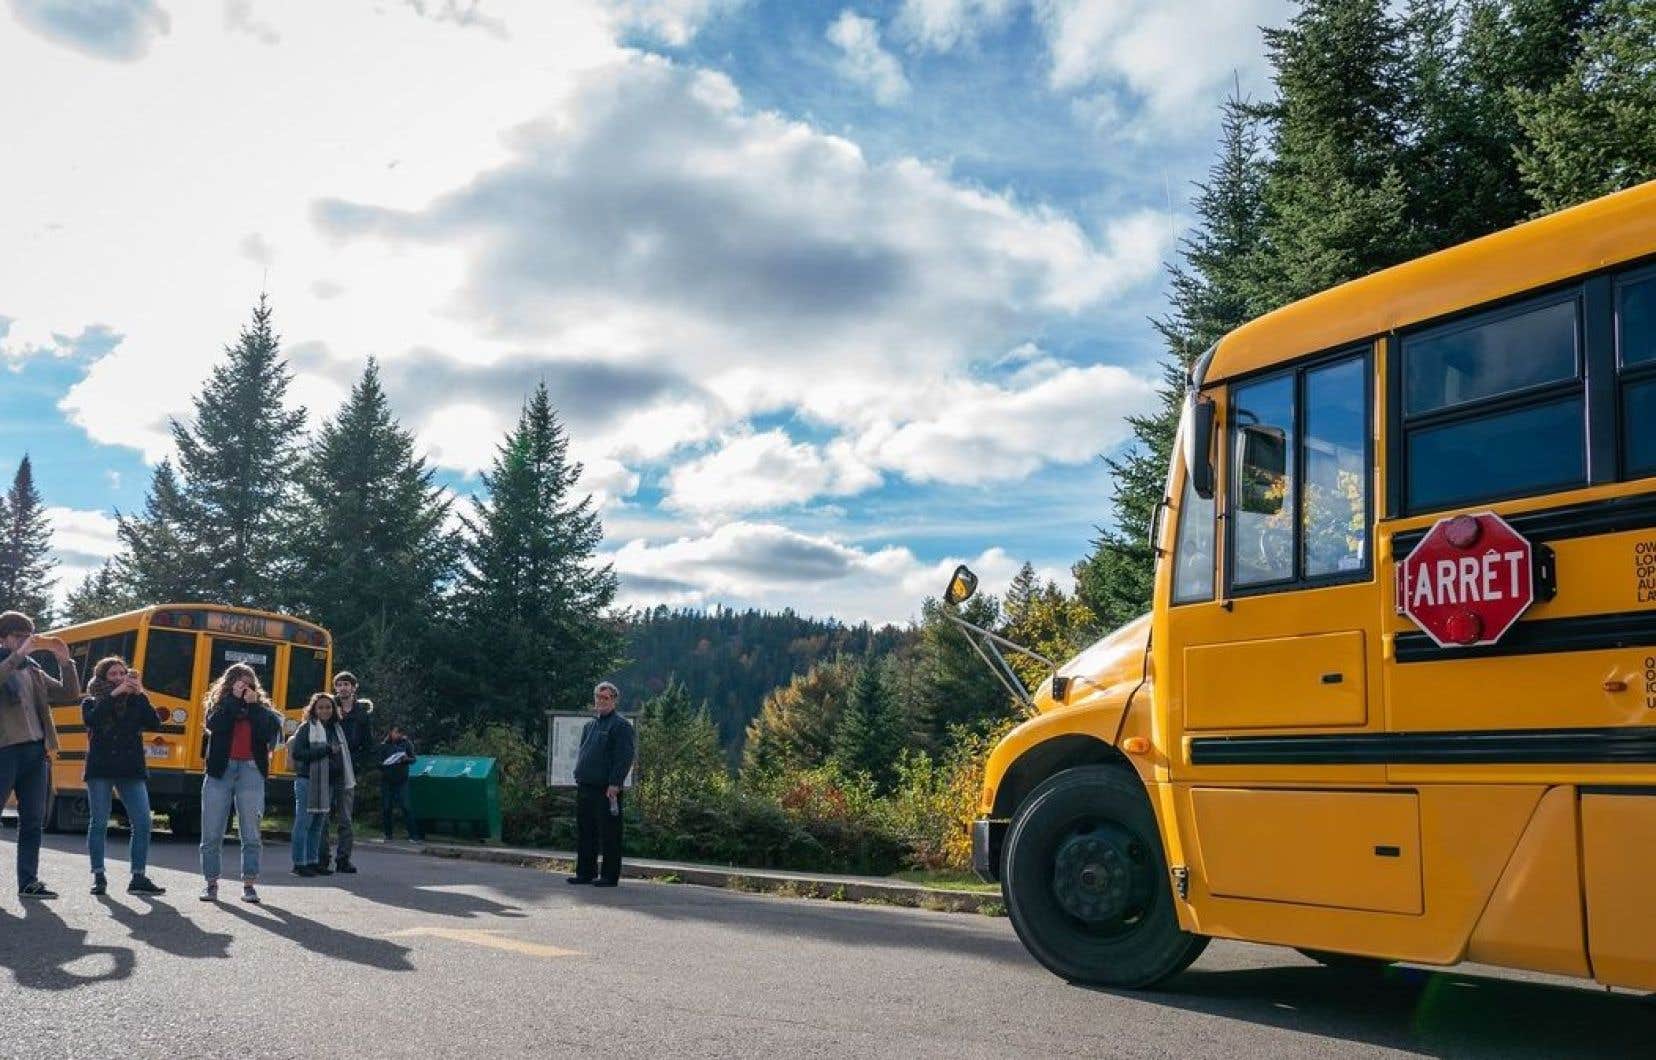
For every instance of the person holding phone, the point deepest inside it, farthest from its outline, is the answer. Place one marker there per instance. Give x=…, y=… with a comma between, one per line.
x=242, y=728
x=117, y=713
x=28, y=738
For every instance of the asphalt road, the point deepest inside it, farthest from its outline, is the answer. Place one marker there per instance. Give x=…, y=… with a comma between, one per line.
x=426, y=957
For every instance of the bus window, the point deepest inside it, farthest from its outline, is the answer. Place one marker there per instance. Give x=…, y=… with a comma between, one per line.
x=1334, y=515
x=307, y=674
x=1193, y=548
x=1636, y=341
x=122, y=644
x=169, y=663
x=1494, y=407
x=262, y=657
x=1263, y=494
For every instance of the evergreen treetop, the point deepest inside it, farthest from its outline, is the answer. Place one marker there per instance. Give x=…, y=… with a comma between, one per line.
x=26, y=562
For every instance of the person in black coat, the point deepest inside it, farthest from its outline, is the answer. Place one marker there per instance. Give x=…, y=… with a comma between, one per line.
x=394, y=755
x=117, y=713
x=601, y=766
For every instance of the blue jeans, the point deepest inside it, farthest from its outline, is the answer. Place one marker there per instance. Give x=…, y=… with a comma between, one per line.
x=135, y=797
x=394, y=795
x=23, y=769
x=244, y=786
x=307, y=826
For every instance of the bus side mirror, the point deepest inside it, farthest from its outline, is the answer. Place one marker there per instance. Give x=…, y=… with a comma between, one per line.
x=962, y=584
x=1198, y=458
x=1262, y=469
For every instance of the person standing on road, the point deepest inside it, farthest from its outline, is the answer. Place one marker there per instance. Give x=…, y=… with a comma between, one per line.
x=395, y=754
x=353, y=714
x=117, y=713
x=242, y=728
x=28, y=739
x=323, y=777
x=601, y=766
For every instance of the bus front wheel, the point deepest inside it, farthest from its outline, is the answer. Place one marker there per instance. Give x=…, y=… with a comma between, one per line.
x=1086, y=883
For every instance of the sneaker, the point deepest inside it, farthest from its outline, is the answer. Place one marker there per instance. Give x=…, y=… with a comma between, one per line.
x=37, y=890
x=346, y=867
x=141, y=884
x=576, y=880
x=249, y=895
x=209, y=893
x=99, y=884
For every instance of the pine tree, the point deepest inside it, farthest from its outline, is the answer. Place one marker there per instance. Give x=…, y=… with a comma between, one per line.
x=678, y=742
x=1214, y=289
x=1594, y=132
x=956, y=687
x=1046, y=620
x=26, y=562
x=99, y=595
x=373, y=549
x=238, y=457
x=795, y=727
x=1337, y=203
x=158, y=563
x=532, y=597
x=871, y=732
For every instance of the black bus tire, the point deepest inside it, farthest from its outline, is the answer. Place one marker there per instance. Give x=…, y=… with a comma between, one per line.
x=184, y=821
x=1086, y=882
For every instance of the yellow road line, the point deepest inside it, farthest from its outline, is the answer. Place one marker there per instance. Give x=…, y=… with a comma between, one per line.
x=492, y=939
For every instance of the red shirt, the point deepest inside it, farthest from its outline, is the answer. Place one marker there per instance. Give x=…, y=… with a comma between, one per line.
x=241, y=741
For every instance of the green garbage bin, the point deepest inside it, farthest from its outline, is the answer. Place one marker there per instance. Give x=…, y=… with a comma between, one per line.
x=456, y=794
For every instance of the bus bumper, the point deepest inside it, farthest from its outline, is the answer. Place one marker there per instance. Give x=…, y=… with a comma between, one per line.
x=987, y=837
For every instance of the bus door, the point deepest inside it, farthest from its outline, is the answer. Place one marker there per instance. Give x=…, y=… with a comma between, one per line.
x=1533, y=411
x=1274, y=676
x=168, y=662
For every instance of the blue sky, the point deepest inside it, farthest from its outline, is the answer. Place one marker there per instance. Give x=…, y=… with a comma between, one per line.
x=832, y=296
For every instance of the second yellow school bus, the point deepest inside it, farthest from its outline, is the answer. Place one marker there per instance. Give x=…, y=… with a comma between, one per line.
x=1277, y=752
x=180, y=649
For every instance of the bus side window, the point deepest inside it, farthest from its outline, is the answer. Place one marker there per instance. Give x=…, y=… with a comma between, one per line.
x=169, y=662
x=1636, y=343
x=1193, y=547
x=1263, y=494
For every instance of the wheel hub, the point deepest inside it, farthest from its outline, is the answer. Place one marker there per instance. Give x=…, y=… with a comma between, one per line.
x=1102, y=877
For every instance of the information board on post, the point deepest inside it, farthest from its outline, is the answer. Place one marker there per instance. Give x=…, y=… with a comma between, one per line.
x=563, y=745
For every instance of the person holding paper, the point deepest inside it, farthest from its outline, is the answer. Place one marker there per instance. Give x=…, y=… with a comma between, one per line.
x=395, y=754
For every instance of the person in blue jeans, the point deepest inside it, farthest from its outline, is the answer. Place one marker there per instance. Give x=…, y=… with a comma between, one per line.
x=323, y=774
x=117, y=713
x=28, y=739
x=394, y=755
x=242, y=728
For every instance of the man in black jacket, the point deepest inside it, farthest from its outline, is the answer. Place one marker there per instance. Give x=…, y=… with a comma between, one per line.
x=601, y=766
x=359, y=739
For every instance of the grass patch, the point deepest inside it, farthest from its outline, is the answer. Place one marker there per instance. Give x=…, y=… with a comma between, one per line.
x=948, y=881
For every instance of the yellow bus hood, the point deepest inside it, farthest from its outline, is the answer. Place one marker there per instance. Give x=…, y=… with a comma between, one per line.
x=1112, y=665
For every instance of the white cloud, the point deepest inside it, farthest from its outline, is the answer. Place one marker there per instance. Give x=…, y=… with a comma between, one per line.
x=672, y=22
x=863, y=61
x=756, y=472
x=121, y=30
x=239, y=18
x=81, y=541
x=942, y=25
x=766, y=565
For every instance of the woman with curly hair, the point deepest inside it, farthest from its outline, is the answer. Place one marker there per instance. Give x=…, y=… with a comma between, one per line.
x=242, y=728
x=117, y=713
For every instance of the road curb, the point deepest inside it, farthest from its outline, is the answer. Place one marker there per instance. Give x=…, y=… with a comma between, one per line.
x=756, y=881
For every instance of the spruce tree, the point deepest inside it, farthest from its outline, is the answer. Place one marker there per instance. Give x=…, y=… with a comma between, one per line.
x=871, y=732
x=678, y=743
x=956, y=687
x=99, y=595
x=238, y=456
x=158, y=563
x=532, y=595
x=1215, y=288
x=374, y=554
x=1594, y=131
x=1337, y=202
x=26, y=562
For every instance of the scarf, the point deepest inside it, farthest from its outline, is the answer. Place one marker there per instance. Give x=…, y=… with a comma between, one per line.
x=321, y=780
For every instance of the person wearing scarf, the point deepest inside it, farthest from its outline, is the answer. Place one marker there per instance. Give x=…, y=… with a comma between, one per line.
x=323, y=774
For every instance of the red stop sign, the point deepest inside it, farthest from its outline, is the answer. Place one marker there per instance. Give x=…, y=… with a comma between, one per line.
x=1468, y=580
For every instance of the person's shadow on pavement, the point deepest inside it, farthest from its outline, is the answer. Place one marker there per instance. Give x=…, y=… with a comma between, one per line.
x=321, y=939
x=38, y=947
x=164, y=928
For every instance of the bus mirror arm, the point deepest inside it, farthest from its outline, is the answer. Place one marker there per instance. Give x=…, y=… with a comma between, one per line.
x=988, y=646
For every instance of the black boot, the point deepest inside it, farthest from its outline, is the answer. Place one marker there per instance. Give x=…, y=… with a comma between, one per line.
x=99, y=884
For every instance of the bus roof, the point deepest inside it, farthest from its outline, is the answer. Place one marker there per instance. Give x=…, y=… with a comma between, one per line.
x=137, y=614
x=1604, y=232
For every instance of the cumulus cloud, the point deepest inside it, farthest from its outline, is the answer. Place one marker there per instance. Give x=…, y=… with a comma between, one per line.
x=121, y=30
x=22, y=343
x=864, y=61
x=768, y=565
x=756, y=472
x=239, y=18
x=469, y=13
x=81, y=541
x=672, y=22
x=941, y=25
x=256, y=248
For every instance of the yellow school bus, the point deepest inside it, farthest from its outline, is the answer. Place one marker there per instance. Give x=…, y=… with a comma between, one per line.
x=1351, y=724
x=180, y=649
